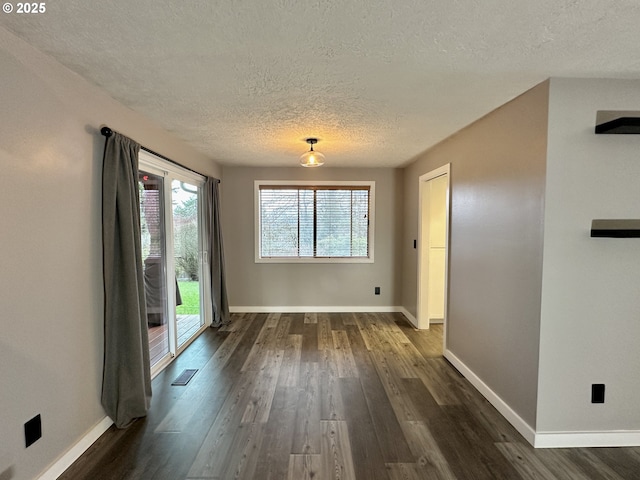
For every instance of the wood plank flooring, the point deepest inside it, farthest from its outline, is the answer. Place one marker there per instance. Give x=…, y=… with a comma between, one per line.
x=328, y=396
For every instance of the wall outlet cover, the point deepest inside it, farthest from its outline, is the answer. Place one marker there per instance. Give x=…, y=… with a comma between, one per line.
x=32, y=430
x=597, y=393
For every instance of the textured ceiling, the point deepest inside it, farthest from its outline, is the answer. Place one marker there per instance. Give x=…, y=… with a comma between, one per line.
x=377, y=81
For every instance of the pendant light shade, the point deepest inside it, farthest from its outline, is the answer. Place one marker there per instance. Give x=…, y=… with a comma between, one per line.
x=312, y=158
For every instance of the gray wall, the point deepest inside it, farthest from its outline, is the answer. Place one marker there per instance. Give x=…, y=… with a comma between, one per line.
x=253, y=284
x=495, y=273
x=51, y=343
x=590, y=330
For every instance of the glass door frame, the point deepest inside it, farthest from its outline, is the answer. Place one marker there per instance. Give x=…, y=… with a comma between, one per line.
x=148, y=162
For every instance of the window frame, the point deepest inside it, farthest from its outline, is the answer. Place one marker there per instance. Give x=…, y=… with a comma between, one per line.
x=300, y=183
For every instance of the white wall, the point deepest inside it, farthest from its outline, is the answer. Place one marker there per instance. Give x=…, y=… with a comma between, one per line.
x=590, y=327
x=495, y=267
x=253, y=284
x=51, y=341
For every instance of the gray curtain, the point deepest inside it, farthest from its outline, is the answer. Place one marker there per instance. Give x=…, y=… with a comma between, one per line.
x=216, y=253
x=126, y=382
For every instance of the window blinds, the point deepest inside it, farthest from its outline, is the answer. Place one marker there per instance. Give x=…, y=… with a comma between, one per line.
x=308, y=222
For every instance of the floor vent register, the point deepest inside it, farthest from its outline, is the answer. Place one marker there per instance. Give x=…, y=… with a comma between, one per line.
x=184, y=377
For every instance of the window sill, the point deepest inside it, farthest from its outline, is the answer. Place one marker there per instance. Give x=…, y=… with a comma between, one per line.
x=314, y=260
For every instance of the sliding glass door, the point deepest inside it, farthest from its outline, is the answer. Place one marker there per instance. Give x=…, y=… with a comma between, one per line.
x=153, y=232
x=170, y=220
x=186, y=241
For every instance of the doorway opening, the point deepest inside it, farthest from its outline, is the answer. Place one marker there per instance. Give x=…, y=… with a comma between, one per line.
x=433, y=249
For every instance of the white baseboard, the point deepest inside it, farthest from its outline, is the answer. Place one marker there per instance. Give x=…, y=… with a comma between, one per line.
x=411, y=318
x=618, y=438
x=505, y=410
x=64, y=462
x=314, y=309
x=414, y=320
x=623, y=438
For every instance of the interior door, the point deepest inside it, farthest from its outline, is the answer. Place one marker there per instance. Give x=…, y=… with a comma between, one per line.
x=433, y=241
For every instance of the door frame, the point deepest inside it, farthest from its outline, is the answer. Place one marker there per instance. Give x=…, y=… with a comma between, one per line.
x=422, y=292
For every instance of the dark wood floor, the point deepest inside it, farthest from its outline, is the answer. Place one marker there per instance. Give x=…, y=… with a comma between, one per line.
x=328, y=396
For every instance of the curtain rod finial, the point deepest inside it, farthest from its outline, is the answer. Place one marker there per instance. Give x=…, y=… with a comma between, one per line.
x=106, y=131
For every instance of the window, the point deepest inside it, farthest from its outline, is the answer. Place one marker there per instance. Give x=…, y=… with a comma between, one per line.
x=319, y=222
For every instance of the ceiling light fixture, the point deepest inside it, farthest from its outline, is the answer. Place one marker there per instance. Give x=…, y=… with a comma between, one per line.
x=311, y=158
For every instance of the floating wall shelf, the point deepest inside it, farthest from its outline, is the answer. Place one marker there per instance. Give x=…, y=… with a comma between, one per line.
x=615, y=228
x=620, y=122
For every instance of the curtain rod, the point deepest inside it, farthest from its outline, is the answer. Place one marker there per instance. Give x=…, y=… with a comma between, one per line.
x=107, y=132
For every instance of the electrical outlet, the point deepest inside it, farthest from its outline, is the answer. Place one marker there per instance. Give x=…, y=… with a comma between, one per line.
x=32, y=430
x=377, y=291
x=597, y=393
